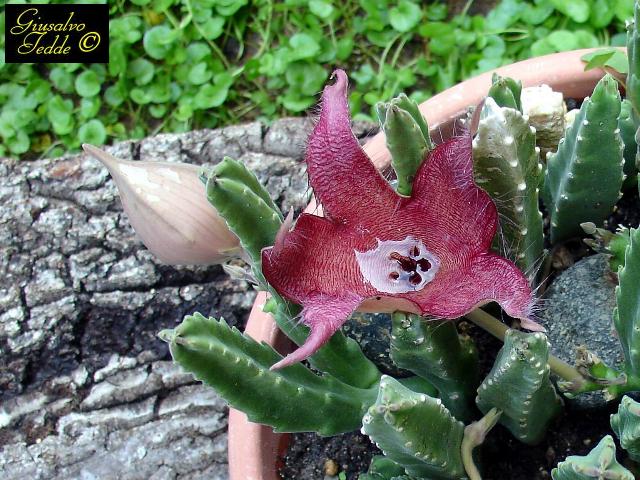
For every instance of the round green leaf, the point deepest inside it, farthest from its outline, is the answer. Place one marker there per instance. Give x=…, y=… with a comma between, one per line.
x=114, y=95
x=158, y=41
x=227, y=8
x=562, y=40
x=39, y=90
x=212, y=27
x=140, y=96
x=20, y=143
x=321, y=8
x=576, y=10
x=92, y=132
x=89, y=107
x=59, y=114
x=197, y=51
x=141, y=70
x=199, y=74
x=405, y=16
x=210, y=96
x=125, y=29
x=61, y=79
x=87, y=84
x=117, y=58
x=303, y=45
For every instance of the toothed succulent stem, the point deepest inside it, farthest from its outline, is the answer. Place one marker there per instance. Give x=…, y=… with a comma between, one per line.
x=633, y=55
x=600, y=463
x=290, y=400
x=506, y=165
x=341, y=356
x=626, y=317
x=234, y=170
x=584, y=176
x=628, y=124
x=626, y=425
x=433, y=350
x=408, y=138
x=572, y=378
x=252, y=218
x=506, y=92
x=396, y=423
x=519, y=386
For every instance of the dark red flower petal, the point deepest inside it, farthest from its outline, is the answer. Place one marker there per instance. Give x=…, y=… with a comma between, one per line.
x=427, y=254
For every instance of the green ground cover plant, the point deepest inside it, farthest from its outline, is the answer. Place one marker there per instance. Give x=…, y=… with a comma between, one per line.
x=177, y=65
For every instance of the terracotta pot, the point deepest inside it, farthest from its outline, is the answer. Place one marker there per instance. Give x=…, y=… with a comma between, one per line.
x=254, y=450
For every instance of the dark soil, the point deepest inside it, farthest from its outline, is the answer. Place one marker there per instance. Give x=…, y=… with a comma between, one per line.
x=308, y=454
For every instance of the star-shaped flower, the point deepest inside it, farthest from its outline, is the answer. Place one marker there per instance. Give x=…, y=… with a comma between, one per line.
x=375, y=250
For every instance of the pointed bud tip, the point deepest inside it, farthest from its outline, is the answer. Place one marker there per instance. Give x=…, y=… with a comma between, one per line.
x=105, y=158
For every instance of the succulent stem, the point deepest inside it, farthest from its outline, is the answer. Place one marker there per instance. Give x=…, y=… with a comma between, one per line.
x=519, y=385
x=433, y=350
x=498, y=329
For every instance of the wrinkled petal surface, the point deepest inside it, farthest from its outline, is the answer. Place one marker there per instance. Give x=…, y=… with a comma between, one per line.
x=379, y=251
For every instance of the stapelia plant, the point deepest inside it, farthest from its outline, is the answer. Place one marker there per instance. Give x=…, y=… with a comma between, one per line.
x=424, y=247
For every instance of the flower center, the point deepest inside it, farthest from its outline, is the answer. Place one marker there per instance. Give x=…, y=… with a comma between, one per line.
x=398, y=266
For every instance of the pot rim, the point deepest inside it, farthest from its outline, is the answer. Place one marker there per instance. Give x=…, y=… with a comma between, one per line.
x=253, y=448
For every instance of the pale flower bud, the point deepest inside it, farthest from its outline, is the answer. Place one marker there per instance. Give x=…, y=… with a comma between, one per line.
x=167, y=207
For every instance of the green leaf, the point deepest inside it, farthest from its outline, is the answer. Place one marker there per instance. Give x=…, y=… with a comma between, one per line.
x=303, y=46
x=19, y=144
x=562, y=40
x=306, y=79
x=292, y=399
x=197, y=51
x=89, y=107
x=125, y=29
x=607, y=57
x=59, y=114
x=227, y=8
x=199, y=74
x=405, y=16
x=210, y=96
x=117, y=58
x=577, y=10
x=141, y=70
x=602, y=13
x=61, y=79
x=158, y=41
x=344, y=48
x=212, y=27
x=92, y=132
x=87, y=84
x=321, y=8
x=535, y=14
x=115, y=95
x=140, y=96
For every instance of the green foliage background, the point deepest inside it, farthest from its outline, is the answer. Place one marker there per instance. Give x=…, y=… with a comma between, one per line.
x=177, y=65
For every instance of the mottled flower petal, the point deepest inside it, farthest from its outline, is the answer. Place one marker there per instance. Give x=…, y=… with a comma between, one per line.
x=376, y=250
x=337, y=166
x=166, y=205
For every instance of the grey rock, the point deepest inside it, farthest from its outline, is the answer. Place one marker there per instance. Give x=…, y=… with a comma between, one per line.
x=87, y=390
x=579, y=311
